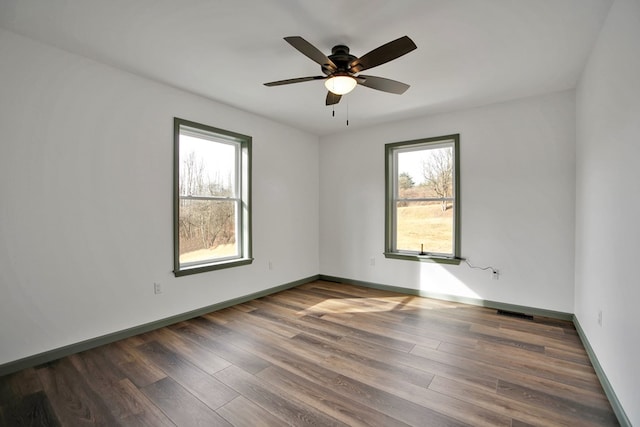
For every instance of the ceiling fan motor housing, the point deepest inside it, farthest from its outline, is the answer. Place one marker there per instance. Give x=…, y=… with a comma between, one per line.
x=341, y=58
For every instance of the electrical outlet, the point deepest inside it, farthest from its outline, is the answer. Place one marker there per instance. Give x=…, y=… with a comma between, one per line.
x=270, y=265
x=599, y=317
x=372, y=262
x=157, y=288
x=495, y=274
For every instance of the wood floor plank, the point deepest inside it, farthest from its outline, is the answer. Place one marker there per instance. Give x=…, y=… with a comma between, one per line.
x=570, y=356
x=247, y=307
x=280, y=299
x=433, y=318
x=507, y=342
x=401, y=339
x=275, y=313
x=290, y=409
x=559, y=366
x=6, y=392
x=388, y=369
x=540, y=383
x=307, y=302
x=541, y=328
x=530, y=336
x=202, y=385
x=138, y=370
x=28, y=410
x=199, y=331
x=192, y=352
x=324, y=399
x=25, y=382
x=383, y=330
x=585, y=415
x=72, y=400
x=142, y=412
x=365, y=331
x=460, y=372
x=243, y=412
x=393, y=405
x=180, y=406
x=117, y=392
x=460, y=313
x=104, y=380
x=515, y=361
x=518, y=423
x=499, y=403
x=289, y=356
x=280, y=328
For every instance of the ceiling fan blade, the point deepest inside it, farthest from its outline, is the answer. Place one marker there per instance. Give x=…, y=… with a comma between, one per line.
x=311, y=52
x=383, y=54
x=385, y=85
x=297, y=80
x=332, y=98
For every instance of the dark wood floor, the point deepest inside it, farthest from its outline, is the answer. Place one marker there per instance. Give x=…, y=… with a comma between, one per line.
x=323, y=354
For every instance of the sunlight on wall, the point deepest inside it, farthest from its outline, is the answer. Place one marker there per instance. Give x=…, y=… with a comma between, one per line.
x=436, y=279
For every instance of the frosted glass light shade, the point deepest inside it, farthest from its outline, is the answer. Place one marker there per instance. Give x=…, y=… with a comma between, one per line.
x=340, y=85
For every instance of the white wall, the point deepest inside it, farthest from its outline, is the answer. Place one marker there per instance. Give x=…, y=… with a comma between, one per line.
x=608, y=202
x=86, y=200
x=517, y=200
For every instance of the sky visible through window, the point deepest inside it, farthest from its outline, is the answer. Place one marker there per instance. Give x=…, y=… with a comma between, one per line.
x=217, y=158
x=412, y=162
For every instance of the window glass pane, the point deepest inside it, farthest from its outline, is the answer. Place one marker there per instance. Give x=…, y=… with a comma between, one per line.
x=426, y=226
x=207, y=230
x=425, y=173
x=207, y=168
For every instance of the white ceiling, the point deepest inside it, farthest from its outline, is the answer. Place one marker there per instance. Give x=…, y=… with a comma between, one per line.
x=470, y=52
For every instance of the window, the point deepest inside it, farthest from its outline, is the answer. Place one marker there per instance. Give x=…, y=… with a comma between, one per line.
x=423, y=200
x=212, y=198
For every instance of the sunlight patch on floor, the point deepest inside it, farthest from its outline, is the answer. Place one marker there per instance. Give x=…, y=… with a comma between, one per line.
x=375, y=305
x=346, y=305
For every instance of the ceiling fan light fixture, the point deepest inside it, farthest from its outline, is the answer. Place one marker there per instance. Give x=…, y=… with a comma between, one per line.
x=340, y=85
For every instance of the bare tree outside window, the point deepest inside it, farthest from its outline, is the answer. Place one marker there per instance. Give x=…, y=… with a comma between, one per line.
x=437, y=171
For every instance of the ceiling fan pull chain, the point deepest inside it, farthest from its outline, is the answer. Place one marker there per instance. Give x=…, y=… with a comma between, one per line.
x=333, y=112
x=347, y=112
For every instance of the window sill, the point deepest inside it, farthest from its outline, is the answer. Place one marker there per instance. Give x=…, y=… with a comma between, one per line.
x=423, y=258
x=211, y=267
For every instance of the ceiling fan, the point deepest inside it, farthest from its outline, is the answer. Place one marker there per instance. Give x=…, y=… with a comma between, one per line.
x=342, y=69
